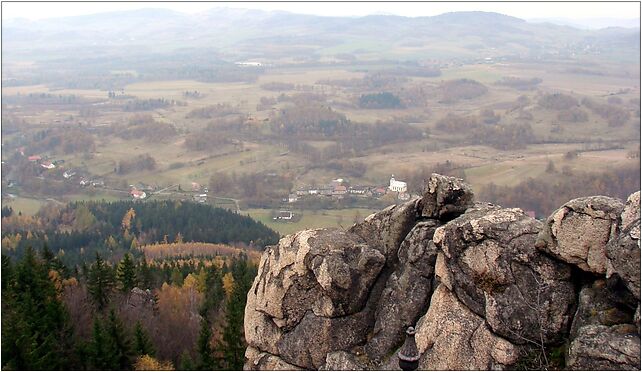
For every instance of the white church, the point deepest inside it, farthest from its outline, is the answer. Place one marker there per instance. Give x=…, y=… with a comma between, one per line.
x=397, y=186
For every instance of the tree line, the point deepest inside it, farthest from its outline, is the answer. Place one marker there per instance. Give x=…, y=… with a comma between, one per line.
x=80, y=229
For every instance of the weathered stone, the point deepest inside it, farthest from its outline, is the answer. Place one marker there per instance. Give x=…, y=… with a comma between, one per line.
x=314, y=337
x=636, y=318
x=407, y=291
x=596, y=308
x=496, y=271
x=623, y=250
x=256, y=360
x=341, y=361
x=260, y=329
x=327, y=271
x=451, y=337
x=631, y=213
x=139, y=298
x=579, y=231
x=599, y=347
x=446, y=197
x=386, y=230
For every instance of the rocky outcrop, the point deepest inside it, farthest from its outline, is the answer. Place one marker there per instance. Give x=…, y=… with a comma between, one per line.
x=486, y=288
x=497, y=272
x=407, y=290
x=623, y=251
x=446, y=197
x=451, y=337
x=579, y=231
x=598, y=347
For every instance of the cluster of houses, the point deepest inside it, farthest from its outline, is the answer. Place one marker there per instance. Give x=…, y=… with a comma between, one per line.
x=201, y=193
x=340, y=187
x=47, y=164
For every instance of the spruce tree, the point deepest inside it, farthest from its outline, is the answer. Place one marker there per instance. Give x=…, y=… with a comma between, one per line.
x=144, y=275
x=36, y=333
x=205, y=352
x=118, y=348
x=233, y=340
x=97, y=356
x=126, y=274
x=142, y=343
x=100, y=282
x=214, y=292
x=186, y=363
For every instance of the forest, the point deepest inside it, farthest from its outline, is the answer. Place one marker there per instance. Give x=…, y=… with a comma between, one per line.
x=128, y=316
x=120, y=286
x=78, y=230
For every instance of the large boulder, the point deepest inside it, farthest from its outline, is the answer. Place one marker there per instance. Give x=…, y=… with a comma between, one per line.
x=309, y=296
x=491, y=264
x=451, y=337
x=327, y=271
x=623, y=250
x=386, y=230
x=579, y=231
x=407, y=292
x=446, y=197
x=599, y=347
x=308, y=344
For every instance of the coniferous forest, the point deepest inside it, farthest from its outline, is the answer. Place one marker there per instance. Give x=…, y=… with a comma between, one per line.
x=79, y=292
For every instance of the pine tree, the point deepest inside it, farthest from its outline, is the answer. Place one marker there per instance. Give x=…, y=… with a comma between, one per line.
x=36, y=333
x=126, y=274
x=118, y=345
x=144, y=275
x=186, y=363
x=177, y=277
x=97, y=357
x=214, y=292
x=233, y=340
x=100, y=282
x=47, y=255
x=142, y=343
x=205, y=352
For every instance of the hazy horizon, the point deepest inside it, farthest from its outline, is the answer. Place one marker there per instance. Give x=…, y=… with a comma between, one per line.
x=582, y=14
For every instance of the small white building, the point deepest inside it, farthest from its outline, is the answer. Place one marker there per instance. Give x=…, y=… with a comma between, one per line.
x=138, y=194
x=397, y=186
x=48, y=165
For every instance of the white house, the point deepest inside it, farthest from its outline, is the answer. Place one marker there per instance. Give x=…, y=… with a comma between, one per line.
x=138, y=194
x=397, y=186
x=48, y=165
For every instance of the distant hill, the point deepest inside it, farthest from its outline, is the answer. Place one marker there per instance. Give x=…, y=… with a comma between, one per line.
x=241, y=33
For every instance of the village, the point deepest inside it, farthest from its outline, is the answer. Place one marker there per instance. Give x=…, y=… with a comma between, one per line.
x=340, y=188
x=336, y=191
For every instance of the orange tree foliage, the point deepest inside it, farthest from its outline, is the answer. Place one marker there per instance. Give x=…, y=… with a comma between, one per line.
x=157, y=251
x=178, y=312
x=147, y=363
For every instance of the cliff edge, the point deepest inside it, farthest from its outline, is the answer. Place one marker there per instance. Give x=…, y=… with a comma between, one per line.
x=485, y=287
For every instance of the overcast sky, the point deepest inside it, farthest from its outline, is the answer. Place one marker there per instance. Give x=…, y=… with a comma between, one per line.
x=529, y=10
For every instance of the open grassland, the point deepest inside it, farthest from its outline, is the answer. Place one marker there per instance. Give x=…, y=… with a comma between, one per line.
x=26, y=206
x=340, y=218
